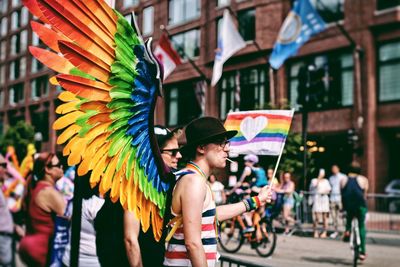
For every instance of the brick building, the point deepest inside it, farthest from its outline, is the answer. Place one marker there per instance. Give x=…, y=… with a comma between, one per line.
x=358, y=94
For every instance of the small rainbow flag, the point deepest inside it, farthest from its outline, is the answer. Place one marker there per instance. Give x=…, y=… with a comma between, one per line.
x=260, y=132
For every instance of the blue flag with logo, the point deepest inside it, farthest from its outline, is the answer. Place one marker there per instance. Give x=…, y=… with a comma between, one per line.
x=302, y=22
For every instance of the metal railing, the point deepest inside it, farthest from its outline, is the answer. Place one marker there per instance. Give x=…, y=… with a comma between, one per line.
x=383, y=212
x=226, y=261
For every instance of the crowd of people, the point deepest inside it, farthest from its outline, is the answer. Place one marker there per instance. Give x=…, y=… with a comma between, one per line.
x=111, y=236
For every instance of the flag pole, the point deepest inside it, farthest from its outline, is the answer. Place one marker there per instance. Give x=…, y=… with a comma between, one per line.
x=280, y=155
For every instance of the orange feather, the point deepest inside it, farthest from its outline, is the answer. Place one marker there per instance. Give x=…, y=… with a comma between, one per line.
x=48, y=36
x=66, y=96
x=34, y=9
x=85, y=61
x=105, y=14
x=51, y=60
x=95, y=105
x=67, y=107
x=75, y=30
x=67, y=120
x=145, y=213
x=75, y=12
x=99, y=118
x=85, y=88
x=68, y=133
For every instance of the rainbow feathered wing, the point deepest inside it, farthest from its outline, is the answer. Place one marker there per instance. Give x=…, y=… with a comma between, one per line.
x=111, y=82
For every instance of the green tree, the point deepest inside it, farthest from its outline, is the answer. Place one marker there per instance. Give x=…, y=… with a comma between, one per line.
x=18, y=136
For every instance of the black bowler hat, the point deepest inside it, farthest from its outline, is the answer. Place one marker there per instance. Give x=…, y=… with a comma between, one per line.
x=203, y=131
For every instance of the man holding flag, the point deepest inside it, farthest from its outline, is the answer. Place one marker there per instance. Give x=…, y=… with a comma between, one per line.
x=302, y=22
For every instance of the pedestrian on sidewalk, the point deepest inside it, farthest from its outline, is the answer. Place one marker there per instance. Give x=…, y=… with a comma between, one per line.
x=320, y=189
x=336, y=198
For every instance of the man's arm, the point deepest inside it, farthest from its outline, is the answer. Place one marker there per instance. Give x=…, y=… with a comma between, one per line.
x=192, y=201
x=131, y=234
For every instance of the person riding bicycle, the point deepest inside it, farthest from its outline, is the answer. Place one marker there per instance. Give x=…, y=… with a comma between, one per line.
x=354, y=199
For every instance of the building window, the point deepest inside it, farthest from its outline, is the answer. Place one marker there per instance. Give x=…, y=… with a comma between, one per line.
x=15, y=20
x=187, y=43
x=19, y=42
x=148, y=20
x=16, y=3
x=3, y=7
x=223, y=2
x=24, y=16
x=17, y=68
x=252, y=88
x=39, y=87
x=2, y=74
x=389, y=69
x=4, y=25
x=130, y=3
x=16, y=94
x=36, y=65
x=1, y=101
x=3, y=50
x=247, y=24
x=385, y=4
x=182, y=105
x=333, y=81
x=181, y=11
x=329, y=10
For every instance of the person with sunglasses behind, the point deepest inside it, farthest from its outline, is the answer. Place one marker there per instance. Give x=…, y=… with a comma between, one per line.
x=42, y=202
x=141, y=248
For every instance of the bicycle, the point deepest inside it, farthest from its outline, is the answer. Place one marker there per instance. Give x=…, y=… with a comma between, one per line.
x=355, y=241
x=232, y=237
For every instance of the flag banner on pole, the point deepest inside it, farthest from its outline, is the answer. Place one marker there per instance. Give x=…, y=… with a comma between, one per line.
x=200, y=91
x=167, y=55
x=302, y=22
x=260, y=132
x=229, y=42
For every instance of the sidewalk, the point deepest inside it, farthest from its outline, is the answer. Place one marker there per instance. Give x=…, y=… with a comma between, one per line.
x=303, y=251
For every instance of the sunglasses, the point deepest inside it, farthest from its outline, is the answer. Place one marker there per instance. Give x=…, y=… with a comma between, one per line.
x=4, y=165
x=58, y=165
x=173, y=153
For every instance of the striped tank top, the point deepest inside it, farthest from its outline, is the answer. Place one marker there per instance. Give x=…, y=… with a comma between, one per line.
x=176, y=253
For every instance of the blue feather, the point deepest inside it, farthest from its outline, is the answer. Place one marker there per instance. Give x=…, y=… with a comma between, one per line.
x=139, y=138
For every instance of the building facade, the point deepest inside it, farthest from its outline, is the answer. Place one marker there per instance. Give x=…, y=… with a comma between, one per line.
x=359, y=93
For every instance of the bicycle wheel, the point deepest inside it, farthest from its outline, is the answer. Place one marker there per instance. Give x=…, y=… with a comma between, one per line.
x=267, y=245
x=231, y=238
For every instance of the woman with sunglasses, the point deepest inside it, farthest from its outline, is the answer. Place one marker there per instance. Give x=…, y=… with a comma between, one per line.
x=42, y=202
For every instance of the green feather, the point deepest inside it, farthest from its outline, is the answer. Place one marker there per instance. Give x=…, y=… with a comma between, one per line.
x=124, y=153
x=120, y=103
x=120, y=93
x=77, y=72
x=131, y=163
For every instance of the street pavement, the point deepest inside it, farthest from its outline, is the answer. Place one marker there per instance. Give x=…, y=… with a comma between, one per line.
x=382, y=251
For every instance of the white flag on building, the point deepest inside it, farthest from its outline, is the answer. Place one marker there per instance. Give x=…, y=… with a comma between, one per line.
x=229, y=42
x=167, y=55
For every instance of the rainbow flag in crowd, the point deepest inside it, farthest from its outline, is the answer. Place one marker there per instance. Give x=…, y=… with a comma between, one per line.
x=260, y=132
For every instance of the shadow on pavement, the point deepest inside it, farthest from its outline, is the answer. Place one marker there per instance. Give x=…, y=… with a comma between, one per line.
x=337, y=261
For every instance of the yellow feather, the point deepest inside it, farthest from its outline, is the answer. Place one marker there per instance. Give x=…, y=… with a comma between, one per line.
x=116, y=183
x=97, y=130
x=76, y=151
x=68, y=133
x=145, y=213
x=67, y=107
x=67, y=148
x=89, y=154
x=53, y=80
x=67, y=120
x=97, y=173
x=123, y=189
x=109, y=174
x=156, y=222
x=66, y=96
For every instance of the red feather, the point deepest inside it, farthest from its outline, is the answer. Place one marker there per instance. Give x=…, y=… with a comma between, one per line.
x=74, y=29
x=85, y=61
x=48, y=36
x=51, y=60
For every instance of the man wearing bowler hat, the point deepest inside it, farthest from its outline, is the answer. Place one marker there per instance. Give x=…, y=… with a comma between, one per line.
x=194, y=242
